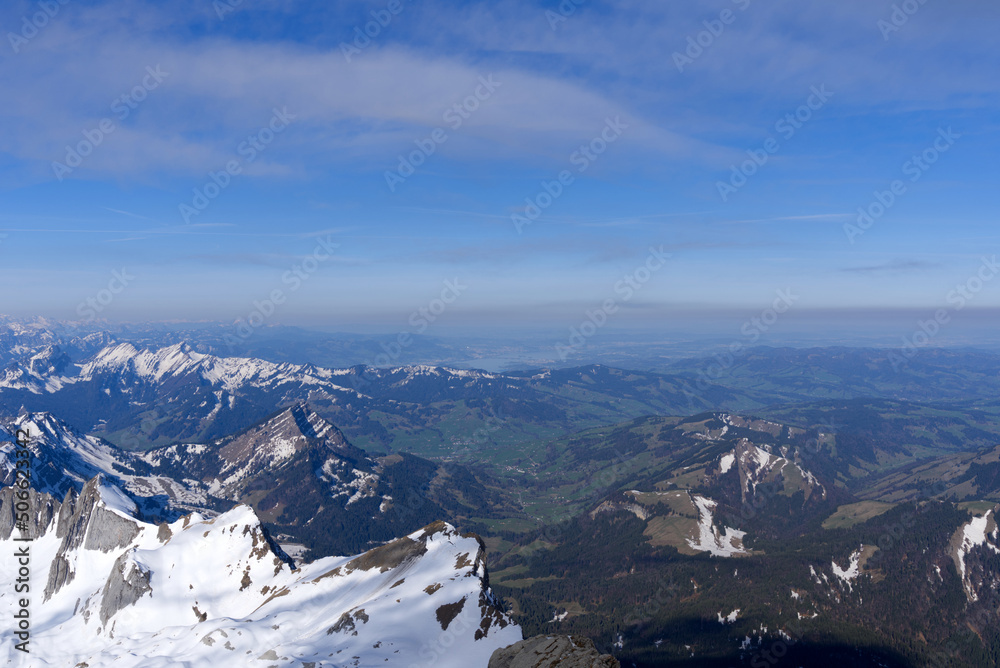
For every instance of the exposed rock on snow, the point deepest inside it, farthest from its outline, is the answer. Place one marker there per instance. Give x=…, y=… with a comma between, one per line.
x=220, y=592
x=552, y=651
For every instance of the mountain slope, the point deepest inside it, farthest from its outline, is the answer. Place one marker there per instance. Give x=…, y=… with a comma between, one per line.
x=62, y=457
x=220, y=592
x=301, y=474
x=725, y=540
x=296, y=470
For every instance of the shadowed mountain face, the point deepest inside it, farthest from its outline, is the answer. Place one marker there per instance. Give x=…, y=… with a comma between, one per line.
x=302, y=476
x=297, y=470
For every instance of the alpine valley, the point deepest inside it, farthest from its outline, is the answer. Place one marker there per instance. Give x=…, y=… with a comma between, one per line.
x=793, y=507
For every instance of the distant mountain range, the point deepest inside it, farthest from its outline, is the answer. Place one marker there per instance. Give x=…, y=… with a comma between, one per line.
x=804, y=374
x=142, y=398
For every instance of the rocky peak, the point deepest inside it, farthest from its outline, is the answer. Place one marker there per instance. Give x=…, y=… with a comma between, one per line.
x=51, y=359
x=283, y=436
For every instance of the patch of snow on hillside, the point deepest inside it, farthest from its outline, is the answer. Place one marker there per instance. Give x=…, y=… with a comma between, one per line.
x=116, y=500
x=730, y=618
x=727, y=544
x=364, y=484
x=852, y=571
x=973, y=534
x=726, y=463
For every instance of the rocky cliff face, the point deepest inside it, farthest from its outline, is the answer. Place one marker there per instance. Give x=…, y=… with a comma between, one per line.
x=41, y=509
x=552, y=652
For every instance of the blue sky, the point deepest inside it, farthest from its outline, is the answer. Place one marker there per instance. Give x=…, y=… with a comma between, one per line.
x=556, y=82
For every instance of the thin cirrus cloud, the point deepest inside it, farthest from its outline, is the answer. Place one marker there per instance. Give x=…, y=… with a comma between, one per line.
x=894, y=267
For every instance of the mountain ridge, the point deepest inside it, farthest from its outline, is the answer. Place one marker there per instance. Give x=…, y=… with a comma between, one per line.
x=219, y=591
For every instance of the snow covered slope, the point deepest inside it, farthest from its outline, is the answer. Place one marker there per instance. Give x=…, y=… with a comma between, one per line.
x=109, y=590
x=122, y=364
x=62, y=457
x=759, y=464
x=971, y=547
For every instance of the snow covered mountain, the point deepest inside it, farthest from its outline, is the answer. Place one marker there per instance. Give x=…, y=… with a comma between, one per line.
x=175, y=393
x=265, y=449
x=108, y=589
x=62, y=457
x=23, y=337
x=41, y=372
x=127, y=366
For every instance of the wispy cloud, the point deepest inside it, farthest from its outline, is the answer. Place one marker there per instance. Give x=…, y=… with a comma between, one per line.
x=819, y=217
x=894, y=267
x=125, y=213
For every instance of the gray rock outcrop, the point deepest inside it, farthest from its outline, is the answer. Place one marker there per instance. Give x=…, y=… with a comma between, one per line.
x=123, y=589
x=552, y=652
